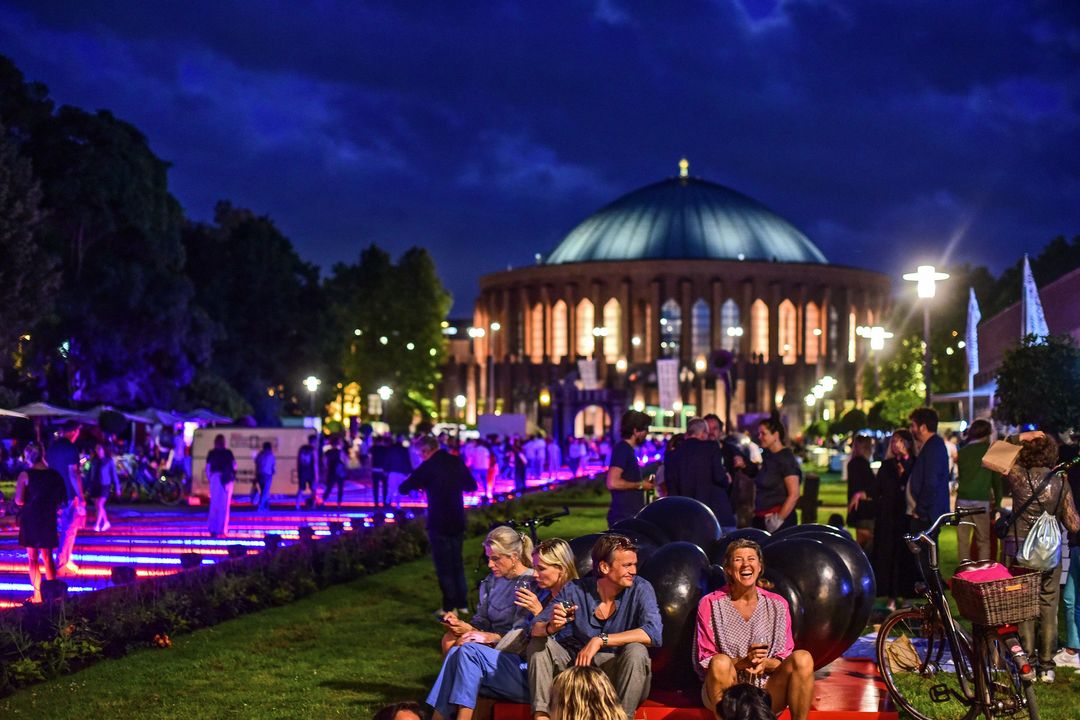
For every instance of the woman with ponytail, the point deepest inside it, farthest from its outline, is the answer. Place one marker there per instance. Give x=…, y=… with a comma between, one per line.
x=509, y=555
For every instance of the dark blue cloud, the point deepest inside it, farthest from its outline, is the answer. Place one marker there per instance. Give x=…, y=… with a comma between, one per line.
x=485, y=131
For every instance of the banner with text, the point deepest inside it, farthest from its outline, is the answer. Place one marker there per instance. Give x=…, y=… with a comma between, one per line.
x=587, y=371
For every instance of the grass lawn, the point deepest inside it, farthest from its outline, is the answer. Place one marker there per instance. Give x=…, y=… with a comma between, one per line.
x=342, y=652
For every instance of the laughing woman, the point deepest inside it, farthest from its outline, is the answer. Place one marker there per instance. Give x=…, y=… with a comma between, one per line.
x=744, y=636
x=475, y=669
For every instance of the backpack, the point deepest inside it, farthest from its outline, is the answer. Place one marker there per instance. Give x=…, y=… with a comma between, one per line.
x=1042, y=546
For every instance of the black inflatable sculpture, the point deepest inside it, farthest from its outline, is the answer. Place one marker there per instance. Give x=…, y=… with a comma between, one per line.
x=823, y=574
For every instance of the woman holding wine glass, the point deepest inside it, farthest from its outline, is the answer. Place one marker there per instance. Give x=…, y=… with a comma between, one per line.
x=744, y=636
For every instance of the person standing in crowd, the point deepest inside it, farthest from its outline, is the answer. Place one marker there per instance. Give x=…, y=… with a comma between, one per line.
x=743, y=635
x=554, y=458
x=1031, y=498
x=696, y=470
x=103, y=481
x=445, y=479
x=777, y=480
x=63, y=457
x=335, y=469
x=614, y=620
x=928, y=485
x=220, y=474
x=307, y=470
x=894, y=565
x=977, y=487
x=398, y=467
x=265, y=466
x=481, y=464
x=860, y=490
x=39, y=491
x=1069, y=655
x=575, y=453
x=624, y=474
x=519, y=463
x=380, y=447
x=714, y=427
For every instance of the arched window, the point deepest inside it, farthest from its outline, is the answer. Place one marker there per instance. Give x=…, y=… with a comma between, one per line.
x=813, y=333
x=788, y=336
x=558, y=331
x=536, y=335
x=852, y=320
x=700, y=317
x=759, y=329
x=670, y=328
x=730, y=329
x=586, y=317
x=612, y=333
x=833, y=333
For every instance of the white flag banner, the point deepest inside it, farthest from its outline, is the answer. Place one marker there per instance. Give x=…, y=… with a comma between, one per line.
x=587, y=370
x=667, y=381
x=1033, y=318
x=971, y=342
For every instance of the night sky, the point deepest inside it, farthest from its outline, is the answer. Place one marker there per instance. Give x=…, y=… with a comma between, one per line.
x=891, y=133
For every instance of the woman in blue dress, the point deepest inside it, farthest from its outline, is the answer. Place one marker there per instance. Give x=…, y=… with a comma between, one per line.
x=499, y=671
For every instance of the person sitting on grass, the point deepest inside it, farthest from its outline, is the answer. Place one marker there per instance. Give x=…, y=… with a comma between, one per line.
x=611, y=622
x=509, y=555
x=743, y=635
x=474, y=670
x=584, y=693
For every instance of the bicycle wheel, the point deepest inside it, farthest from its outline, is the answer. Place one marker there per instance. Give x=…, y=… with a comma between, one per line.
x=169, y=490
x=1009, y=694
x=918, y=668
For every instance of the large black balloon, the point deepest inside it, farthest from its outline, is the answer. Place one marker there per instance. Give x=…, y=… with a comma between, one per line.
x=761, y=537
x=785, y=588
x=864, y=588
x=826, y=592
x=678, y=573
x=643, y=534
x=812, y=529
x=582, y=549
x=683, y=518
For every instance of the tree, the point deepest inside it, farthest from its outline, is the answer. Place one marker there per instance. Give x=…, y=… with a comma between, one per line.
x=386, y=327
x=1039, y=383
x=28, y=275
x=902, y=388
x=265, y=302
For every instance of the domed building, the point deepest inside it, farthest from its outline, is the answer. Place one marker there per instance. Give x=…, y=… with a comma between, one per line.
x=683, y=269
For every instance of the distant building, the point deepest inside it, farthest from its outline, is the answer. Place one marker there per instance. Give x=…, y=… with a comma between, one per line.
x=680, y=269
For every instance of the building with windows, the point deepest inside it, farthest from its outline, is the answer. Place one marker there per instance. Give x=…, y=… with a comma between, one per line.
x=684, y=269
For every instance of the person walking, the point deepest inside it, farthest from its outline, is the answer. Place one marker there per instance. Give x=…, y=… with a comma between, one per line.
x=103, y=481
x=63, y=457
x=445, y=479
x=39, y=491
x=334, y=463
x=307, y=470
x=398, y=467
x=977, y=487
x=220, y=474
x=624, y=479
x=928, y=484
x=265, y=467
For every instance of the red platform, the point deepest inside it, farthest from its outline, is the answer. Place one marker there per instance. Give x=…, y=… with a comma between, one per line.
x=843, y=690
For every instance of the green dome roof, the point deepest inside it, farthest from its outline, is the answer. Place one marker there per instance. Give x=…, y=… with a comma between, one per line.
x=685, y=218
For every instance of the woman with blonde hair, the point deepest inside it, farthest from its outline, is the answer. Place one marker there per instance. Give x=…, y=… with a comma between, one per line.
x=584, y=692
x=474, y=669
x=509, y=555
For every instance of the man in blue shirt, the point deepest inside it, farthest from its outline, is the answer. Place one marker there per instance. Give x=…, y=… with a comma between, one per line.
x=928, y=485
x=63, y=456
x=624, y=474
x=613, y=621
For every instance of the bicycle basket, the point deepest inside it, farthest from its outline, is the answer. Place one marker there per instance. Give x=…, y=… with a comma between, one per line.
x=1006, y=601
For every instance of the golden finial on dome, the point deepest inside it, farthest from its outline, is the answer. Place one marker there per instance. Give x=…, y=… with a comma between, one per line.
x=684, y=168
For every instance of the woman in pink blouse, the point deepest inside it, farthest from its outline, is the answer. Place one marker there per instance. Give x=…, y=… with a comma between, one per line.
x=744, y=636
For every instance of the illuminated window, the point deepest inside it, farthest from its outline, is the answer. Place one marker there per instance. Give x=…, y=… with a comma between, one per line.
x=851, y=336
x=700, y=317
x=670, y=328
x=788, y=337
x=813, y=333
x=730, y=330
x=612, y=321
x=536, y=351
x=586, y=316
x=759, y=329
x=833, y=333
x=558, y=332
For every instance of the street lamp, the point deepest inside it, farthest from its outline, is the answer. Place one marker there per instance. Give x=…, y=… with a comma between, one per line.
x=312, y=384
x=925, y=279
x=495, y=327
x=459, y=403
x=384, y=392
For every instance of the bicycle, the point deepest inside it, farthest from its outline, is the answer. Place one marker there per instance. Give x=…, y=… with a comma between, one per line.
x=990, y=674
x=139, y=479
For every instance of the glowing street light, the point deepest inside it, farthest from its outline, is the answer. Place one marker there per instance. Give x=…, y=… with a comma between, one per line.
x=925, y=279
x=385, y=392
x=312, y=384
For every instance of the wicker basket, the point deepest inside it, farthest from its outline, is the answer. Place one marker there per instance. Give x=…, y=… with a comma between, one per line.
x=999, y=602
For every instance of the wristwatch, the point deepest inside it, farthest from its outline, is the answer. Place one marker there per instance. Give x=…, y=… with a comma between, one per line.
x=603, y=639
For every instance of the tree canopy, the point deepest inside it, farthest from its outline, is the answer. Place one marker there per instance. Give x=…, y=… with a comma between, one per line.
x=1038, y=382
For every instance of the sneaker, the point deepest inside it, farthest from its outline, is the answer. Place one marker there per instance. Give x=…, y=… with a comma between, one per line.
x=462, y=611
x=1046, y=676
x=440, y=613
x=1064, y=658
